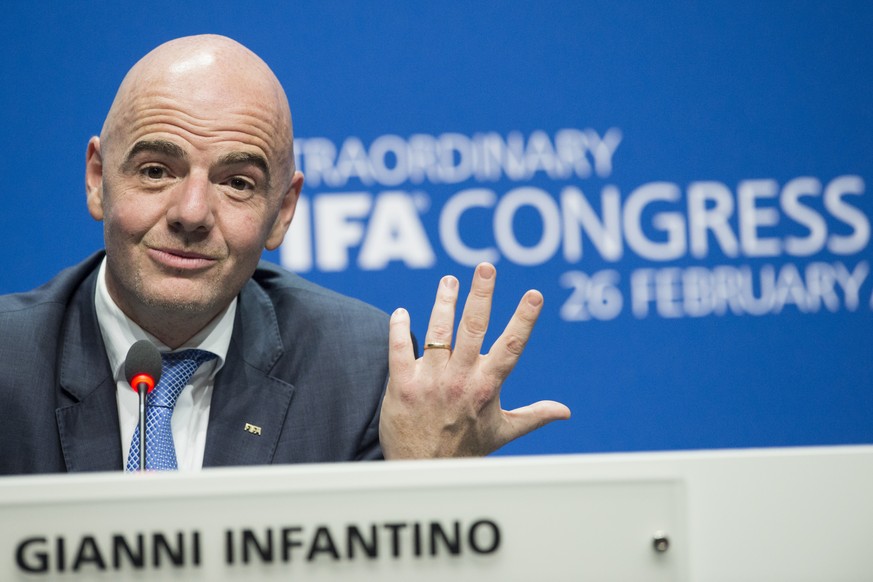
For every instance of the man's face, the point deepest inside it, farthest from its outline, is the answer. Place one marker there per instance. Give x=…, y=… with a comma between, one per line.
x=192, y=184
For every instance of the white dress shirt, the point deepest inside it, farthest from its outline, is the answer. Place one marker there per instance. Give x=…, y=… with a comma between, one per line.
x=191, y=415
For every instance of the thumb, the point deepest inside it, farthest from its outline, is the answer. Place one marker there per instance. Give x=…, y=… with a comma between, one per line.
x=533, y=416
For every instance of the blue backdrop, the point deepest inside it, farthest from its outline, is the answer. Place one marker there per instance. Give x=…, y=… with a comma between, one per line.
x=687, y=185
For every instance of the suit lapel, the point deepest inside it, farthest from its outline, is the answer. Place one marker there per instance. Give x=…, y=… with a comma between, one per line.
x=87, y=415
x=249, y=406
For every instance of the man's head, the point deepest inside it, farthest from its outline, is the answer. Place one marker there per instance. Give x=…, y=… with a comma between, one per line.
x=193, y=176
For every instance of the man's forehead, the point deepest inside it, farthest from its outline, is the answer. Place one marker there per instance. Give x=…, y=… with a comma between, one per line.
x=212, y=127
x=208, y=86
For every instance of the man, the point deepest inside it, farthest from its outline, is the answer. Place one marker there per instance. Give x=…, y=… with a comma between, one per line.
x=193, y=176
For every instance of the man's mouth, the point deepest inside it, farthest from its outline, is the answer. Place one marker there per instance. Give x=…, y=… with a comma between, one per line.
x=181, y=259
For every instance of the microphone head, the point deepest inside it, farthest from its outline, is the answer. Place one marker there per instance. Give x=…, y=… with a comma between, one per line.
x=143, y=364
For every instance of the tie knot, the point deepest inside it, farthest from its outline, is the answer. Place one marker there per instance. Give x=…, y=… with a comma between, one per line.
x=177, y=369
x=197, y=357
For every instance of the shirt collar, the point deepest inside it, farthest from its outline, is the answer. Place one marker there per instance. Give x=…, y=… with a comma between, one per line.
x=120, y=332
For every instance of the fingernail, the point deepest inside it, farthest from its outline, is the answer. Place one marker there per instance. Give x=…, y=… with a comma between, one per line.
x=399, y=312
x=450, y=282
x=486, y=271
x=534, y=299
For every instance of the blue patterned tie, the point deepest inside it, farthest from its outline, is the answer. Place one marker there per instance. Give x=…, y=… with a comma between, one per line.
x=160, y=450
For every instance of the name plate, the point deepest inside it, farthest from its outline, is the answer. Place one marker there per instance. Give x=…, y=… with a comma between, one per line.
x=451, y=520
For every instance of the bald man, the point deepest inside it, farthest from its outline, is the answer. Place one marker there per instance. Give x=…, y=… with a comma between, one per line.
x=193, y=176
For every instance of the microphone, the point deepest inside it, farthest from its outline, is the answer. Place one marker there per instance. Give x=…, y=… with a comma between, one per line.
x=142, y=369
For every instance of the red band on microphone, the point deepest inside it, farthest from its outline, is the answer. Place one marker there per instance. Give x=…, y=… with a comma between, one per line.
x=142, y=379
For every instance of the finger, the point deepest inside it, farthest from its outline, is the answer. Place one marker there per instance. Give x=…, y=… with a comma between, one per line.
x=442, y=319
x=477, y=312
x=401, y=360
x=506, y=351
x=531, y=417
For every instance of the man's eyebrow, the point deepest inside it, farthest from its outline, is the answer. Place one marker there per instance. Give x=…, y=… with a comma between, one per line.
x=235, y=158
x=157, y=146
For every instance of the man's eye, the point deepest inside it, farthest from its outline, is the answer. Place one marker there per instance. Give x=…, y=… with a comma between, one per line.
x=239, y=184
x=154, y=172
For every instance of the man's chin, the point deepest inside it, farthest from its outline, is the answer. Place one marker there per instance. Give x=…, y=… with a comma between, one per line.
x=178, y=306
x=185, y=302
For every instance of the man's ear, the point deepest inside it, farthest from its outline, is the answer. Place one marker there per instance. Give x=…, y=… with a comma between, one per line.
x=286, y=213
x=94, y=178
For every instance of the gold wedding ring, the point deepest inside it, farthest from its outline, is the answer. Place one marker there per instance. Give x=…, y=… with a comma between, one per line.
x=437, y=346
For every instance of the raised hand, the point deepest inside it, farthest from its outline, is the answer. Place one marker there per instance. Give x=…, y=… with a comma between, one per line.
x=447, y=403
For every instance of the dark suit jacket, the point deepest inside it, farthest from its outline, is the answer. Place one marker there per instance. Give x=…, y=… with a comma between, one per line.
x=305, y=364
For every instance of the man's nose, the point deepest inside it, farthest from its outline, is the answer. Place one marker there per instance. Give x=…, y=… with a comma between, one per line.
x=191, y=205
